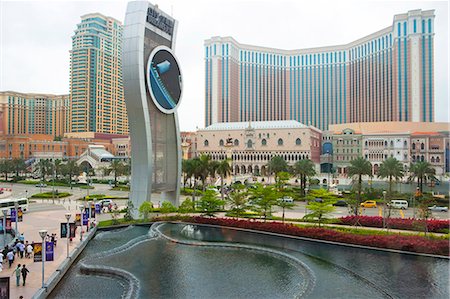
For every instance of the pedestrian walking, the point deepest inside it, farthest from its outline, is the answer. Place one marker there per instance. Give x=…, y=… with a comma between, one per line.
x=1, y=258
x=29, y=250
x=25, y=272
x=10, y=256
x=21, y=247
x=17, y=271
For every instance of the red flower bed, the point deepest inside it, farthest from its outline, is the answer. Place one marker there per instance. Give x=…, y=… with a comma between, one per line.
x=397, y=223
x=399, y=242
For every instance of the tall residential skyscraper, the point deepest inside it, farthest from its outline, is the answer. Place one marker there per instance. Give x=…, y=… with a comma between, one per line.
x=31, y=113
x=385, y=76
x=96, y=88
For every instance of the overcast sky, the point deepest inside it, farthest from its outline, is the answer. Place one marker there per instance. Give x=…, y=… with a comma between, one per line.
x=35, y=37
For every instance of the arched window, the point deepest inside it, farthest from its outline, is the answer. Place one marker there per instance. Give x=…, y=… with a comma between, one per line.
x=413, y=146
x=249, y=144
x=422, y=158
x=298, y=141
x=438, y=160
x=422, y=146
x=432, y=159
x=236, y=142
x=206, y=142
x=264, y=142
x=221, y=142
x=405, y=143
x=280, y=141
x=366, y=142
x=392, y=143
x=385, y=143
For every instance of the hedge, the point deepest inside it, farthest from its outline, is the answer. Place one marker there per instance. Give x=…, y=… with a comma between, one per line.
x=434, y=225
x=417, y=244
x=50, y=195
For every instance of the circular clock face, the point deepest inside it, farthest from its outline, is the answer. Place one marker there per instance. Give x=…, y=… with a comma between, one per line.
x=164, y=79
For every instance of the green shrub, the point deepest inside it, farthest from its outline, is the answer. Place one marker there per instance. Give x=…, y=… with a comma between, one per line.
x=186, y=206
x=50, y=195
x=167, y=207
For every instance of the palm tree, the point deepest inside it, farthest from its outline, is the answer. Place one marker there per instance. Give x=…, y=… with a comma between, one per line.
x=118, y=168
x=359, y=167
x=238, y=200
x=58, y=167
x=45, y=168
x=213, y=166
x=224, y=170
x=304, y=169
x=391, y=168
x=277, y=164
x=70, y=169
x=203, y=169
x=421, y=170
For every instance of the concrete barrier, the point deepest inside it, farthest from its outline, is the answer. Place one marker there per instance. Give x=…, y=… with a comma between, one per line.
x=59, y=273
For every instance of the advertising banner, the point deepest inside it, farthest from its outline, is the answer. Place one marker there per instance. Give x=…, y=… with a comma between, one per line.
x=49, y=251
x=92, y=211
x=13, y=214
x=72, y=228
x=97, y=208
x=63, y=230
x=4, y=288
x=78, y=219
x=37, y=252
x=8, y=223
x=86, y=217
x=20, y=214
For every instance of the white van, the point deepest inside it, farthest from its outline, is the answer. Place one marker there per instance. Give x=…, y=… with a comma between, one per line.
x=399, y=204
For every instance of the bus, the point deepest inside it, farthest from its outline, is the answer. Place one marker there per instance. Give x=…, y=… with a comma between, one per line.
x=9, y=203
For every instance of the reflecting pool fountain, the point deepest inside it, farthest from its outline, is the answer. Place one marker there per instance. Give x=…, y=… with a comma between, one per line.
x=177, y=260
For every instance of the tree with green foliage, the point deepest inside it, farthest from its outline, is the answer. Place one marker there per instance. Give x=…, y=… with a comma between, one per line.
x=276, y=164
x=283, y=204
x=167, y=207
x=320, y=202
x=145, y=209
x=69, y=169
x=129, y=211
x=283, y=192
x=262, y=198
x=19, y=166
x=58, y=168
x=209, y=203
x=421, y=171
x=118, y=168
x=6, y=167
x=238, y=199
x=203, y=169
x=391, y=168
x=224, y=170
x=304, y=169
x=186, y=206
x=45, y=168
x=359, y=167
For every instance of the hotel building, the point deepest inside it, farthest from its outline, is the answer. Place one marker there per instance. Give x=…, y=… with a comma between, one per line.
x=385, y=76
x=31, y=113
x=96, y=87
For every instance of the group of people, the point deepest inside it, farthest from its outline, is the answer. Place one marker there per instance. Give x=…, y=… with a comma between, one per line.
x=19, y=249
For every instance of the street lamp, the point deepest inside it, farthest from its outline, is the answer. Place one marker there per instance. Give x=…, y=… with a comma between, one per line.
x=4, y=227
x=68, y=215
x=81, y=223
x=306, y=193
x=329, y=170
x=384, y=208
x=43, y=234
x=16, y=206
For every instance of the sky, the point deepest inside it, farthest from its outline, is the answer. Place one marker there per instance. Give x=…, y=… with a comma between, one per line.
x=35, y=37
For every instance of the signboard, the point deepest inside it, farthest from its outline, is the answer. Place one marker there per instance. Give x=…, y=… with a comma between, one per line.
x=4, y=288
x=37, y=252
x=78, y=219
x=97, y=208
x=164, y=79
x=160, y=21
x=72, y=228
x=49, y=251
x=13, y=214
x=8, y=223
x=63, y=230
x=86, y=217
x=19, y=214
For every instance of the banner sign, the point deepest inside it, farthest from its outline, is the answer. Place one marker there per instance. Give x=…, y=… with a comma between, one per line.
x=92, y=211
x=78, y=219
x=97, y=208
x=63, y=230
x=13, y=215
x=49, y=251
x=19, y=215
x=4, y=288
x=37, y=252
x=86, y=217
x=72, y=228
x=8, y=223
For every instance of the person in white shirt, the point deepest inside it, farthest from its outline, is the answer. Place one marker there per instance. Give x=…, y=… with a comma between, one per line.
x=1, y=258
x=29, y=250
x=10, y=256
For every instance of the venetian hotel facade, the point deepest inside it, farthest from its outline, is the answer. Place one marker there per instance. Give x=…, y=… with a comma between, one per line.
x=385, y=76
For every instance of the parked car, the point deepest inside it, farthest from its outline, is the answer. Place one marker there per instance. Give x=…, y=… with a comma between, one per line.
x=106, y=202
x=41, y=185
x=340, y=203
x=438, y=209
x=369, y=204
x=286, y=199
x=398, y=204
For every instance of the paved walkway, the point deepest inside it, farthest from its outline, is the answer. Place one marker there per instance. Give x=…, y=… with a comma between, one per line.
x=33, y=222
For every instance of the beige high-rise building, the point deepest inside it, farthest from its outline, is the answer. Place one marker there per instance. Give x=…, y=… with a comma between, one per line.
x=32, y=113
x=96, y=87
